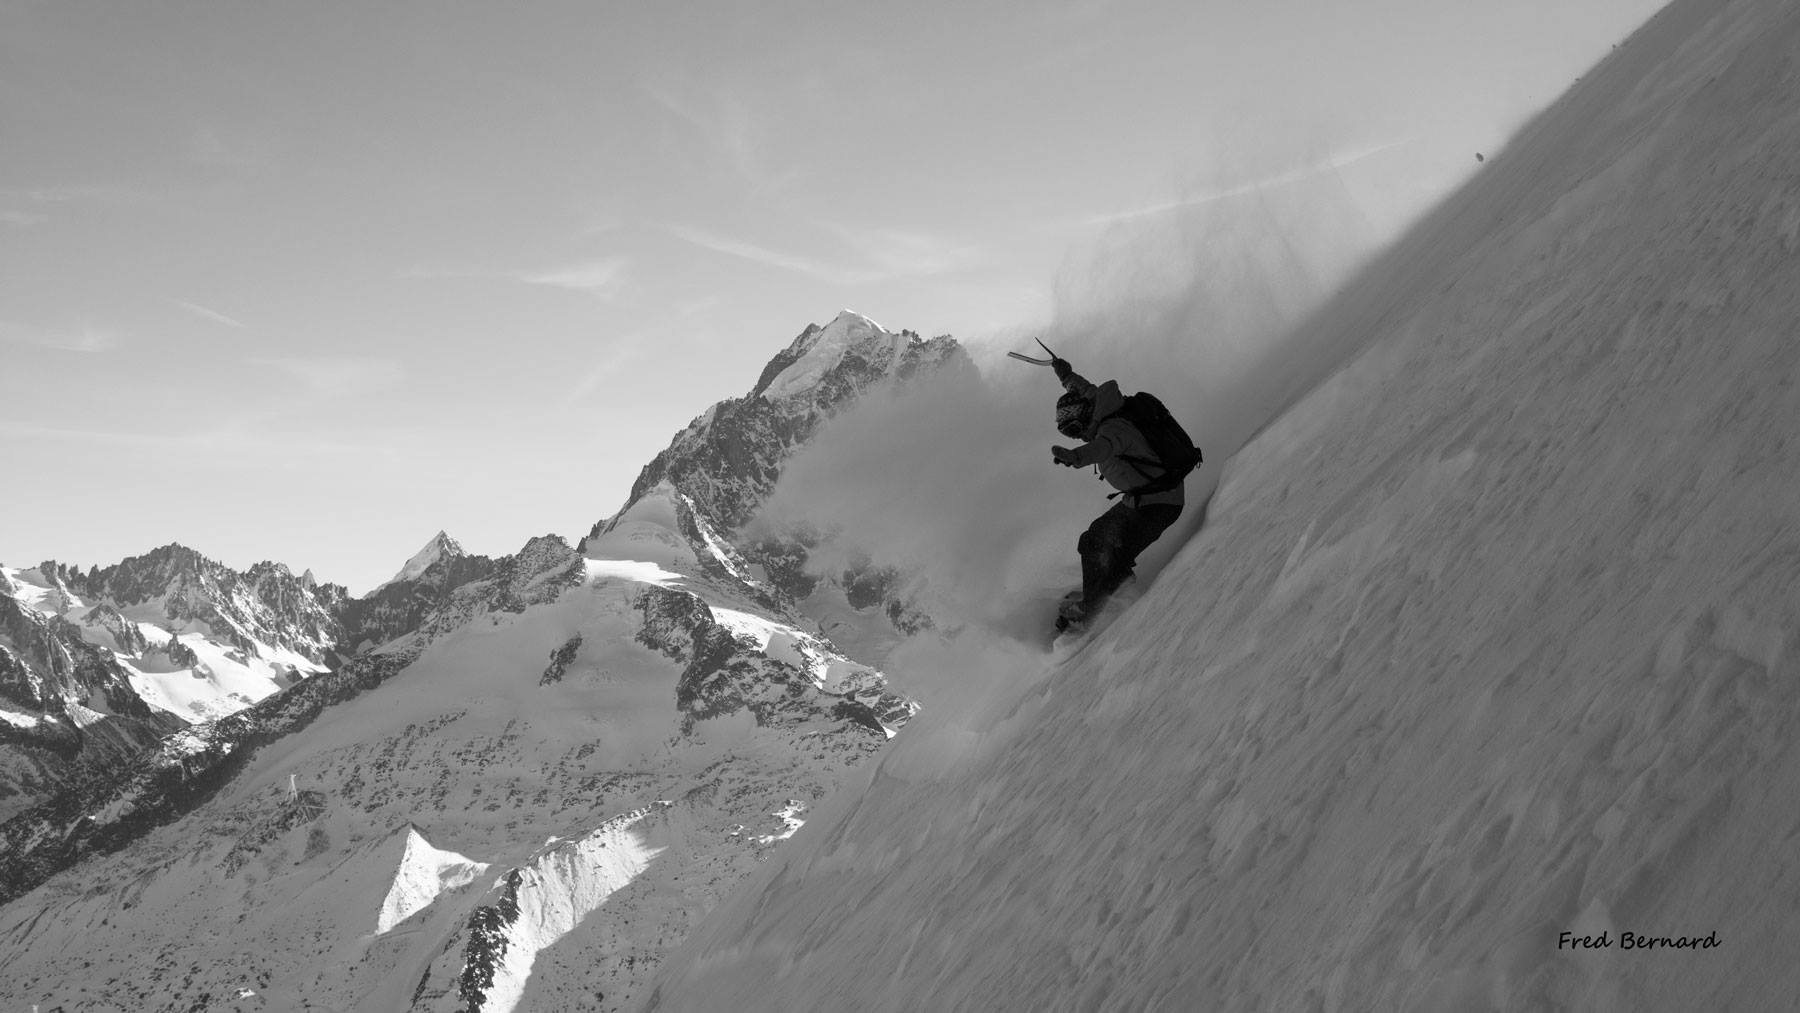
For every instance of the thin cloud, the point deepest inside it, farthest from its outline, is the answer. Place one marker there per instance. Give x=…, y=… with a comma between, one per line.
x=732, y=131
x=207, y=314
x=22, y=218
x=902, y=254
x=607, y=365
x=74, y=193
x=622, y=351
x=604, y=278
x=338, y=376
x=1332, y=164
x=238, y=447
x=834, y=274
x=84, y=339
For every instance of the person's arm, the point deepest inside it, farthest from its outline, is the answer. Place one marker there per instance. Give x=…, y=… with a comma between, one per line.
x=1071, y=380
x=1105, y=444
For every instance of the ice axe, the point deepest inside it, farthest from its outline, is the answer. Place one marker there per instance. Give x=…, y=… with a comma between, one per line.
x=1022, y=357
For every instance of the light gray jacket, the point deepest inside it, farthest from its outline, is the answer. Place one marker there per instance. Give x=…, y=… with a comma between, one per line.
x=1110, y=440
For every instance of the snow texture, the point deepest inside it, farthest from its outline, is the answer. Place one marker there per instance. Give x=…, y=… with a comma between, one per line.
x=1488, y=644
x=424, y=873
x=826, y=350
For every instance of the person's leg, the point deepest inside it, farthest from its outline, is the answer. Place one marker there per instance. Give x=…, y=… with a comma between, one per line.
x=1110, y=546
x=1145, y=526
x=1103, y=559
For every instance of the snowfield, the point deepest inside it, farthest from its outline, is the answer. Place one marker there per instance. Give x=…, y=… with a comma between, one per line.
x=1488, y=646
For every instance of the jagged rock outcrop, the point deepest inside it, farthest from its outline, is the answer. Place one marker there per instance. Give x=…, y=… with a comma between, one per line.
x=105, y=806
x=107, y=626
x=726, y=462
x=533, y=905
x=728, y=459
x=266, y=604
x=138, y=788
x=421, y=587
x=539, y=572
x=726, y=673
x=71, y=705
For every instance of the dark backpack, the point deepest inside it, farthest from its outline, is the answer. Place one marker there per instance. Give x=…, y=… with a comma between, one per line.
x=1176, y=454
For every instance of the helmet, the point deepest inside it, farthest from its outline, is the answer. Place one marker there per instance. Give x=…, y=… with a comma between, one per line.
x=1073, y=413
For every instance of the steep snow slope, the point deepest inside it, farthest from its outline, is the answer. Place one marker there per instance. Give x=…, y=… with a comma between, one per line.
x=1489, y=639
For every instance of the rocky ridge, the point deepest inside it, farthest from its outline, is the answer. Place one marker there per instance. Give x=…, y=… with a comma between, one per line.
x=658, y=595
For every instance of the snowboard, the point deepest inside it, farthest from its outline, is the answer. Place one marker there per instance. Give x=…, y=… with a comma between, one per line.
x=1072, y=633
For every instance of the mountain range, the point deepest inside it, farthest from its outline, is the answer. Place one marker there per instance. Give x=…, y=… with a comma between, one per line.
x=384, y=794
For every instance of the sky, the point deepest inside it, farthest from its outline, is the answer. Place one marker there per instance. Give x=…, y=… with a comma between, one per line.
x=311, y=282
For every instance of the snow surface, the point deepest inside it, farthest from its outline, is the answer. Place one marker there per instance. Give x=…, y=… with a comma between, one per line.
x=19, y=719
x=829, y=670
x=586, y=873
x=846, y=330
x=40, y=594
x=1489, y=639
x=224, y=681
x=630, y=570
x=424, y=873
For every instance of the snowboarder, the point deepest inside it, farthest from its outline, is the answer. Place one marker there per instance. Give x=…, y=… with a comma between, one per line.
x=1137, y=449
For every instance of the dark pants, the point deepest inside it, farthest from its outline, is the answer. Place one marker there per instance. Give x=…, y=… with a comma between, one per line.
x=1110, y=545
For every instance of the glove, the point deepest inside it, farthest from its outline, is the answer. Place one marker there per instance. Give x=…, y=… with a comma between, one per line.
x=1063, y=455
x=1061, y=368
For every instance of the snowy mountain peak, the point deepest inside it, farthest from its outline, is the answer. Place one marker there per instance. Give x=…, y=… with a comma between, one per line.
x=440, y=547
x=817, y=352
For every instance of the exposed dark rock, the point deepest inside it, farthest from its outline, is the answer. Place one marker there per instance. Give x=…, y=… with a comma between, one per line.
x=559, y=661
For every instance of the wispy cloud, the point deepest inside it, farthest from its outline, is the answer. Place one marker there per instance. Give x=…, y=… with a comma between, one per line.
x=22, y=218
x=232, y=447
x=873, y=255
x=335, y=376
x=73, y=193
x=732, y=131
x=603, y=278
x=81, y=338
x=622, y=351
x=1332, y=164
x=607, y=365
x=826, y=271
x=903, y=254
x=207, y=314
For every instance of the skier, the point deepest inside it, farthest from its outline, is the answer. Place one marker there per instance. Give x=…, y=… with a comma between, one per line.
x=1148, y=469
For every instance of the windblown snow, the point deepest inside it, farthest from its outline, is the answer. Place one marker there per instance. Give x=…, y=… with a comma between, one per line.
x=1479, y=688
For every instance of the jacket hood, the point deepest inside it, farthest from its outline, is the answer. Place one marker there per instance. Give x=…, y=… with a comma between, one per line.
x=1107, y=400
